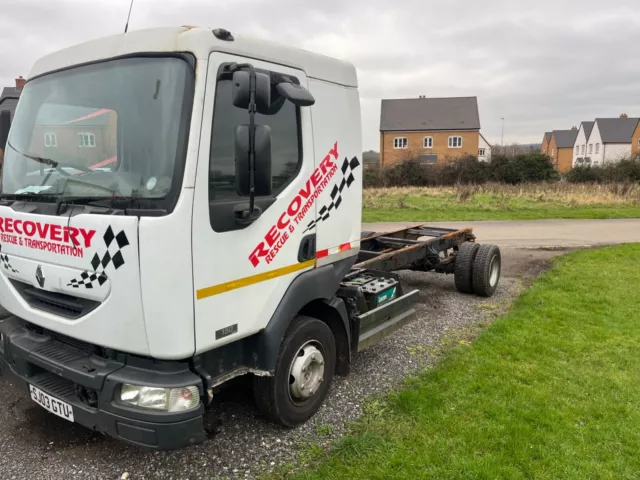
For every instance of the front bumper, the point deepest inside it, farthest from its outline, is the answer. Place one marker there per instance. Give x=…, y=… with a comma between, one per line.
x=89, y=381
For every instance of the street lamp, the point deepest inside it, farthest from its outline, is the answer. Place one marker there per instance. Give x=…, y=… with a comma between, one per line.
x=502, y=142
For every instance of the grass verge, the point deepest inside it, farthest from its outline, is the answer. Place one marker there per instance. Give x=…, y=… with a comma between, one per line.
x=502, y=202
x=549, y=391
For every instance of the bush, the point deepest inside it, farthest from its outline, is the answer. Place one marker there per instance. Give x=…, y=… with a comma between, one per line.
x=626, y=170
x=584, y=174
x=522, y=168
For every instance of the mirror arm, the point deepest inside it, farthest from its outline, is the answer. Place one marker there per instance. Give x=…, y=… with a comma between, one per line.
x=252, y=135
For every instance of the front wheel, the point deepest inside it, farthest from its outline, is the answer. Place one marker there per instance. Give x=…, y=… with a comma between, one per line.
x=303, y=374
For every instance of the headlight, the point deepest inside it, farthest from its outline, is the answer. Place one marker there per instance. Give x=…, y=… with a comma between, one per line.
x=165, y=399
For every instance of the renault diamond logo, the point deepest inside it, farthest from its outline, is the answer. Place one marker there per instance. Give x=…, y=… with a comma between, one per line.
x=40, y=276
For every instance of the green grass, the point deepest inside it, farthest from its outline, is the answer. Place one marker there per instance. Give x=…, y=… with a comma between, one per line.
x=432, y=211
x=550, y=391
x=501, y=202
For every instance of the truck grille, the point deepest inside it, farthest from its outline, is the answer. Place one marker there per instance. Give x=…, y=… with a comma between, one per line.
x=60, y=304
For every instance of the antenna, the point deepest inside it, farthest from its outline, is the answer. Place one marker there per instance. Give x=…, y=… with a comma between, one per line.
x=126, y=27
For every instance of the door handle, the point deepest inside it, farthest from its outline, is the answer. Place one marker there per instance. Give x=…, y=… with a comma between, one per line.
x=307, y=250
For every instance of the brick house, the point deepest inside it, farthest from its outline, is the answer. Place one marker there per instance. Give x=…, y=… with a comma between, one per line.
x=8, y=102
x=546, y=140
x=85, y=137
x=432, y=130
x=10, y=95
x=561, y=148
x=635, y=141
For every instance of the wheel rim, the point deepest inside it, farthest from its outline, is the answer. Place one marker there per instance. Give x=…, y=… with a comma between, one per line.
x=494, y=269
x=307, y=372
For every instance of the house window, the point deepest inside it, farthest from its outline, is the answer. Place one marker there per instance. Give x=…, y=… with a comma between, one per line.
x=598, y=147
x=582, y=149
x=553, y=152
x=481, y=152
x=577, y=150
x=86, y=140
x=590, y=148
x=428, y=142
x=50, y=139
x=455, y=142
x=400, y=142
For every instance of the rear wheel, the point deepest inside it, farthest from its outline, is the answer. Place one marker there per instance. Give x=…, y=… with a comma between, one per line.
x=303, y=374
x=463, y=273
x=486, y=270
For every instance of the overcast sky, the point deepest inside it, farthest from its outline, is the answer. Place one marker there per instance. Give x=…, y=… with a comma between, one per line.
x=542, y=65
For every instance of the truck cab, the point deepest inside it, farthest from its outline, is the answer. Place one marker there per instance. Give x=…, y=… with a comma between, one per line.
x=134, y=270
x=182, y=206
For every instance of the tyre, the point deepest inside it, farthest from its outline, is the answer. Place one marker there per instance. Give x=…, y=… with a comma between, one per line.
x=486, y=270
x=303, y=374
x=463, y=272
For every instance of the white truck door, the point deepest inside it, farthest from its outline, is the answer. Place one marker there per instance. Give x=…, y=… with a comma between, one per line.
x=241, y=272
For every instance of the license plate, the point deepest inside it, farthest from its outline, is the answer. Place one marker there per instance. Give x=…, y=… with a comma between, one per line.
x=52, y=404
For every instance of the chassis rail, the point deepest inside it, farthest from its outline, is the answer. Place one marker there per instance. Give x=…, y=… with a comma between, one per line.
x=418, y=247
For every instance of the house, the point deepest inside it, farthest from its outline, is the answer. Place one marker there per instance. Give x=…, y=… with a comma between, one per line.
x=371, y=159
x=635, y=142
x=561, y=148
x=611, y=140
x=10, y=95
x=484, y=149
x=580, y=147
x=82, y=136
x=544, y=148
x=8, y=102
x=432, y=130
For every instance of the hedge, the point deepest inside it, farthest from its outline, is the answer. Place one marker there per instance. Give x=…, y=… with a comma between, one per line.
x=523, y=168
x=533, y=167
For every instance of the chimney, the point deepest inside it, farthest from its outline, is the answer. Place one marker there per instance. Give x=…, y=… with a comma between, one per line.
x=624, y=115
x=20, y=82
x=574, y=128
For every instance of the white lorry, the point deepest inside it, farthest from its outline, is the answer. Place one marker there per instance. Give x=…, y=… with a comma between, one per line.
x=181, y=206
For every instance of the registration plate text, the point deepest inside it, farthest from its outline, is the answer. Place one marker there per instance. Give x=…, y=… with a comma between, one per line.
x=52, y=404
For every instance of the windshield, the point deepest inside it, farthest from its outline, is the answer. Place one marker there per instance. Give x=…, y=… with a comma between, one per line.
x=110, y=129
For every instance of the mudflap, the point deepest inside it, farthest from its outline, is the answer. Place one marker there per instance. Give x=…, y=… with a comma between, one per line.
x=385, y=319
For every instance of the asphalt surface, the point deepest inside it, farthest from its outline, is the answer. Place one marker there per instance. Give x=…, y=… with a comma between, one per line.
x=539, y=233
x=35, y=444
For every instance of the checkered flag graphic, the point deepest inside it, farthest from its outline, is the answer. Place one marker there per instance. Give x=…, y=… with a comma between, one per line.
x=6, y=264
x=348, y=166
x=112, y=256
x=87, y=280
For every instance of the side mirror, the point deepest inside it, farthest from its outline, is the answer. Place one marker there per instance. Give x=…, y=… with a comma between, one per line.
x=296, y=94
x=262, y=167
x=242, y=90
x=5, y=125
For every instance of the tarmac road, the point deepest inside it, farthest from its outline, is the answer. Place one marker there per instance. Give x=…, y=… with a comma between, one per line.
x=539, y=233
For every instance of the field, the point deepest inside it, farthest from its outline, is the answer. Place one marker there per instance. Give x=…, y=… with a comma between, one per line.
x=502, y=202
x=549, y=391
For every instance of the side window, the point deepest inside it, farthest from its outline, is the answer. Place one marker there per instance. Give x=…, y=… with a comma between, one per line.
x=286, y=152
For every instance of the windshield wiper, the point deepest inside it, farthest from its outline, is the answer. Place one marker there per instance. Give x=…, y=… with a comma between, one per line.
x=44, y=161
